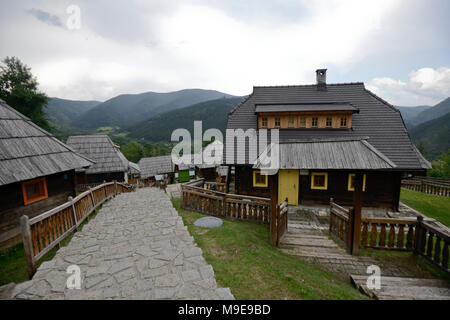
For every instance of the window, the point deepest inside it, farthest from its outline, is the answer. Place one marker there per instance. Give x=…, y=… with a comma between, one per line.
x=344, y=122
x=260, y=180
x=351, y=182
x=291, y=122
x=314, y=122
x=264, y=122
x=277, y=122
x=319, y=181
x=34, y=191
x=302, y=122
x=329, y=123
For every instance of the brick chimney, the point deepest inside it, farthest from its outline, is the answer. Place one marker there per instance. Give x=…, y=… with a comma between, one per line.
x=321, y=76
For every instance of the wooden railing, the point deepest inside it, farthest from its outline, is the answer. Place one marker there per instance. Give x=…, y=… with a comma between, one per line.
x=282, y=220
x=340, y=223
x=216, y=186
x=440, y=187
x=225, y=205
x=433, y=244
x=45, y=231
x=388, y=234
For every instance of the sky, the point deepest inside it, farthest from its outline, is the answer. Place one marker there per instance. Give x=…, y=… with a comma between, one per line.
x=98, y=49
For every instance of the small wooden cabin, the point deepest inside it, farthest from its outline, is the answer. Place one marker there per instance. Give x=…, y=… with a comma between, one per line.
x=156, y=167
x=37, y=172
x=327, y=133
x=110, y=163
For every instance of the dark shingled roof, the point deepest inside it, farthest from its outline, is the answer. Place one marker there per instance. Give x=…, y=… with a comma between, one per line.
x=331, y=153
x=381, y=122
x=102, y=150
x=28, y=151
x=155, y=166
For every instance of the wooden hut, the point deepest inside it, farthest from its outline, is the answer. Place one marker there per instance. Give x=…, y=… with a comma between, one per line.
x=37, y=172
x=110, y=163
x=327, y=134
x=157, y=168
x=209, y=170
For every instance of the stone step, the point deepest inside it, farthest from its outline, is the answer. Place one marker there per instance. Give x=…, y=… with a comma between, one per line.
x=397, y=288
x=305, y=242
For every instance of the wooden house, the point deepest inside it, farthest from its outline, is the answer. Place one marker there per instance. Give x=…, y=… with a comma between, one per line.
x=209, y=171
x=110, y=163
x=133, y=172
x=156, y=168
x=327, y=134
x=37, y=172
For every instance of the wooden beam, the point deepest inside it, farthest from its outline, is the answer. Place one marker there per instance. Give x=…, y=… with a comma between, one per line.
x=27, y=245
x=356, y=216
x=273, y=208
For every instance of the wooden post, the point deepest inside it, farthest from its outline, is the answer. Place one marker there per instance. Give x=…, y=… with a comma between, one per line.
x=92, y=200
x=356, y=216
x=273, y=209
x=74, y=213
x=27, y=245
x=115, y=187
x=418, y=236
x=228, y=179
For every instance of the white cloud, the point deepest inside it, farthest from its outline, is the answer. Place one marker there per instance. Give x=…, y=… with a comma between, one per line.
x=426, y=86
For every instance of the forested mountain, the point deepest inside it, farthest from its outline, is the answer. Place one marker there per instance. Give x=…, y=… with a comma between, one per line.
x=126, y=110
x=61, y=112
x=414, y=116
x=213, y=113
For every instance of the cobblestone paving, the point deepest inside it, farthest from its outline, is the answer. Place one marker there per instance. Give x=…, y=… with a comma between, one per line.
x=136, y=248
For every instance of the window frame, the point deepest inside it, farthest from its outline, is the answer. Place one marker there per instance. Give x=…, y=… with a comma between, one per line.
x=260, y=185
x=345, y=121
x=300, y=122
x=275, y=122
x=266, y=120
x=331, y=122
x=349, y=183
x=289, y=122
x=43, y=195
x=313, y=186
x=312, y=122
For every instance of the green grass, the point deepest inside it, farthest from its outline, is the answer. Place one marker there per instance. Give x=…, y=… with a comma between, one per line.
x=433, y=206
x=13, y=264
x=244, y=261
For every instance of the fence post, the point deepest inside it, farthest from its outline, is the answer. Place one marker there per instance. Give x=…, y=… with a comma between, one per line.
x=74, y=213
x=273, y=210
x=418, y=236
x=27, y=245
x=356, y=216
x=115, y=187
x=92, y=200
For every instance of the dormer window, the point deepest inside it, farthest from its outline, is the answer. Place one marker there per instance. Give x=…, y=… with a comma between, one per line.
x=277, y=122
x=264, y=122
x=302, y=122
x=344, y=122
x=329, y=122
x=314, y=122
x=291, y=122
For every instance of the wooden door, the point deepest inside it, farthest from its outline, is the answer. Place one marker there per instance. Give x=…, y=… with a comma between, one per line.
x=288, y=184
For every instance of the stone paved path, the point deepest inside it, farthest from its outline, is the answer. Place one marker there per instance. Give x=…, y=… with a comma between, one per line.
x=136, y=248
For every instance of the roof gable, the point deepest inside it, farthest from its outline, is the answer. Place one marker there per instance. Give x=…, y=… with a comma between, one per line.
x=28, y=151
x=155, y=165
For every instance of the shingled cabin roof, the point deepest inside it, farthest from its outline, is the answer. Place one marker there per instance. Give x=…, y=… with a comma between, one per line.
x=377, y=120
x=102, y=150
x=28, y=152
x=155, y=166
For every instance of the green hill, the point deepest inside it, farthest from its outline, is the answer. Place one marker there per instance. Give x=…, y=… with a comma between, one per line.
x=414, y=116
x=434, y=135
x=126, y=110
x=160, y=127
x=62, y=112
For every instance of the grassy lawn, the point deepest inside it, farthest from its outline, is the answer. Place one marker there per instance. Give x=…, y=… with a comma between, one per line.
x=433, y=206
x=13, y=265
x=244, y=261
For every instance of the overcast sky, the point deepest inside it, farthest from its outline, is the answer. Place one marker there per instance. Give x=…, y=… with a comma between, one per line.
x=400, y=49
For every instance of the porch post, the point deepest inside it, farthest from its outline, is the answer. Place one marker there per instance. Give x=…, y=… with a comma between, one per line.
x=273, y=208
x=356, y=217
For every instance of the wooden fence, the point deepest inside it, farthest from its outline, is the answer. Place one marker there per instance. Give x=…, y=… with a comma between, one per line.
x=340, y=223
x=216, y=186
x=282, y=220
x=403, y=234
x=44, y=232
x=440, y=187
x=225, y=205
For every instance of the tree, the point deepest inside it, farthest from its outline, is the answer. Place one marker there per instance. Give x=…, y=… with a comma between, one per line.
x=19, y=89
x=441, y=166
x=133, y=151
